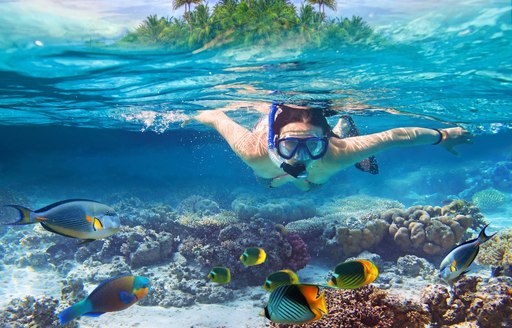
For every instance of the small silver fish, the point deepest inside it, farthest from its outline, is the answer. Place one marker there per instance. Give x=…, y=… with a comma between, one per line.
x=456, y=263
x=76, y=218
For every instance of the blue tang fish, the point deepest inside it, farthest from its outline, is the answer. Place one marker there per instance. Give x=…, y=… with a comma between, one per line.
x=456, y=263
x=76, y=218
x=115, y=294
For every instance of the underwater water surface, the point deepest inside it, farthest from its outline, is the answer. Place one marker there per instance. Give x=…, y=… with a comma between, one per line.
x=112, y=124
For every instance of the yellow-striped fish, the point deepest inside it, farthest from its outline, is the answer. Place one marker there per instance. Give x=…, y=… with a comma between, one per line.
x=296, y=304
x=76, y=218
x=280, y=278
x=220, y=275
x=253, y=256
x=354, y=274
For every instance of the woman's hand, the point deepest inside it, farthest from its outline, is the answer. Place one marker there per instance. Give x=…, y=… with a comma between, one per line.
x=455, y=136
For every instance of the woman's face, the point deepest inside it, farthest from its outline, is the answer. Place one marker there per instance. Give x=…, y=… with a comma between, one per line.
x=300, y=130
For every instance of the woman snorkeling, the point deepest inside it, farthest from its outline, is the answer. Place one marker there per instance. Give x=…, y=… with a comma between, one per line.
x=297, y=145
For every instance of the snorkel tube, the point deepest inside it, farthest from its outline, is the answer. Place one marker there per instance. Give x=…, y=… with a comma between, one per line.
x=298, y=170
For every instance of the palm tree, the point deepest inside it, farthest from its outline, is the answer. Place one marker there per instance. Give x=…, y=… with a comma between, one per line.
x=176, y=4
x=331, y=4
x=151, y=29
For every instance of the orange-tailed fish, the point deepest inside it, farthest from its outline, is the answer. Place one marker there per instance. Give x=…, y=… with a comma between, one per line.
x=220, y=275
x=112, y=295
x=77, y=218
x=296, y=304
x=279, y=278
x=456, y=263
x=253, y=256
x=354, y=274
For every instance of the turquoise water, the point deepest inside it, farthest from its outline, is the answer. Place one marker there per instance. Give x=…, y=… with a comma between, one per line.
x=82, y=121
x=73, y=110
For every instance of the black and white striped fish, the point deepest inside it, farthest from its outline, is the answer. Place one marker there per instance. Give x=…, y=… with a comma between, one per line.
x=296, y=304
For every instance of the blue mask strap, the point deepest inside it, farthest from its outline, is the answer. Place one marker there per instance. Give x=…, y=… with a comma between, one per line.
x=271, y=119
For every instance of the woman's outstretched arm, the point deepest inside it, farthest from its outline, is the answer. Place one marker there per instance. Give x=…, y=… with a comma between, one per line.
x=343, y=152
x=243, y=142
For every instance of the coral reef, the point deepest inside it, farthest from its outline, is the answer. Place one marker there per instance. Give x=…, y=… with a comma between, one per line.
x=72, y=290
x=130, y=248
x=198, y=204
x=30, y=311
x=366, y=307
x=355, y=240
x=224, y=246
x=356, y=206
x=133, y=212
x=197, y=220
x=489, y=174
x=490, y=199
x=470, y=301
x=427, y=230
x=347, y=214
x=424, y=230
x=347, y=227
x=180, y=285
x=497, y=252
x=31, y=241
x=278, y=210
x=413, y=266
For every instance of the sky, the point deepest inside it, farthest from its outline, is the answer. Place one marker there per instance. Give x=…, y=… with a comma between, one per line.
x=101, y=18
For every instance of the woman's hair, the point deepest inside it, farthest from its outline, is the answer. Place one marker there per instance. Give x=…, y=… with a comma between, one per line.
x=313, y=116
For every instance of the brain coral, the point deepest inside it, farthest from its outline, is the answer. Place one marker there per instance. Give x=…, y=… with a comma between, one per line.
x=427, y=230
x=421, y=230
x=355, y=240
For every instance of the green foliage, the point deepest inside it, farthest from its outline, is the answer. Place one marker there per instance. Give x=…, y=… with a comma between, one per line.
x=249, y=22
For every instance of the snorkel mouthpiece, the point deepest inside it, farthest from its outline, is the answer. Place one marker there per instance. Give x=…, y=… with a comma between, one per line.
x=297, y=170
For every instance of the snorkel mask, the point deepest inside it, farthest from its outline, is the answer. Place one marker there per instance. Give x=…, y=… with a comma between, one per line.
x=311, y=147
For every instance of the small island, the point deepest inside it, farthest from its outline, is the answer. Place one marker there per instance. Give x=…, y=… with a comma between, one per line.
x=249, y=22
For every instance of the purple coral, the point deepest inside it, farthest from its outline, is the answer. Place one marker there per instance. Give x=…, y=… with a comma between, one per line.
x=300, y=256
x=223, y=247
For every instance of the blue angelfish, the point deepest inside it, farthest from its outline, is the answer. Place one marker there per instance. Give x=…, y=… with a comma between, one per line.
x=112, y=295
x=457, y=262
x=76, y=218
